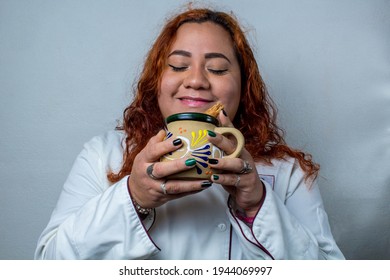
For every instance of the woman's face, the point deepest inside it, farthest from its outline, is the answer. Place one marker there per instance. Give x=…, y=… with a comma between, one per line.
x=201, y=70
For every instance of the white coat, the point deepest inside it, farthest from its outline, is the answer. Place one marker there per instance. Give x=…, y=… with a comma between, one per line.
x=95, y=219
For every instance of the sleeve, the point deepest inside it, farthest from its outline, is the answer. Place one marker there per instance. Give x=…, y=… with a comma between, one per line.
x=93, y=220
x=296, y=228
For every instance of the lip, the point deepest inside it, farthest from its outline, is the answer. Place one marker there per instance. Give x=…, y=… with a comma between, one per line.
x=195, y=102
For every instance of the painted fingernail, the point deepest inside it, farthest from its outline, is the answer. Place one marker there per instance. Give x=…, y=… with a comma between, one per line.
x=213, y=161
x=177, y=142
x=206, y=184
x=215, y=177
x=190, y=162
x=211, y=133
x=224, y=112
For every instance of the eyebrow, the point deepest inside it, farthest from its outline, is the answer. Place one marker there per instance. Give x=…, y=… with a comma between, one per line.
x=207, y=55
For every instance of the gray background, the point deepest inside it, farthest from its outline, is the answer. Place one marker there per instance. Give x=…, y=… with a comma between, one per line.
x=67, y=69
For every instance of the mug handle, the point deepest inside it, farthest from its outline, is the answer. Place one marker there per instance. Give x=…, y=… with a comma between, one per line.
x=239, y=137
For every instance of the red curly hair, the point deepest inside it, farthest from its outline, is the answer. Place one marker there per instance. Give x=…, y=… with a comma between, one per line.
x=256, y=115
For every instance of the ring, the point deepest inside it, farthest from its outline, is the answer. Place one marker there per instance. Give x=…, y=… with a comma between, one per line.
x=149, y=171
x=164, y=189
x=237, y=181
x=246, y=169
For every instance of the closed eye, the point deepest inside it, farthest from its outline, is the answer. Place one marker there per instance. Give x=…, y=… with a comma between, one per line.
x=218, y=72
x=178, y=69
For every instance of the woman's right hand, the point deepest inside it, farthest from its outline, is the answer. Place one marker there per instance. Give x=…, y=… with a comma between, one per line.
x=147, y=190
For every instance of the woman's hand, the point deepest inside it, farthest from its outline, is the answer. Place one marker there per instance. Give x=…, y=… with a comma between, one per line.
x=234, y=175
x=147, y=182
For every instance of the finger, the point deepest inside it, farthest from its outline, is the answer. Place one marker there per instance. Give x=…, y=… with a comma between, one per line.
x=180, y=188
x=234, y=180
x=157, y=146
x=164, y=169
x=159, y=192
x=224, y=119
x=219, y=179
x=158, y=137
x=222, y=142
x=234, y=165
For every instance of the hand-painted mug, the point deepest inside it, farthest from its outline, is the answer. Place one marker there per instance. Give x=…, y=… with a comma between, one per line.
x=192, y=129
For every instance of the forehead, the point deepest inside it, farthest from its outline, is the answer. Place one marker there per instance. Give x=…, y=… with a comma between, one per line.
x=206, y=36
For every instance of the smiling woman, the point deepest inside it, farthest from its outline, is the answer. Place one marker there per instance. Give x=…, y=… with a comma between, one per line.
x=120, y=203
x=202, y=69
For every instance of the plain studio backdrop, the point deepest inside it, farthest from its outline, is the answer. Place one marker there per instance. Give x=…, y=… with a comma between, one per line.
x=67, y=69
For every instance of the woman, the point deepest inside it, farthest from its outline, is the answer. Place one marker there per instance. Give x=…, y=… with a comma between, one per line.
x=116, y=203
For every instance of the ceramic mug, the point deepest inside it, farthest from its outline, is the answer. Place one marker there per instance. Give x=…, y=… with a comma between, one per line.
x=192, y=129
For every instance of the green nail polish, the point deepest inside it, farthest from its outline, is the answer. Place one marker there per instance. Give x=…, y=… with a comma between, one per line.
x=206, y=184
x=190, y=162
x=211, y=133
x=215, y=177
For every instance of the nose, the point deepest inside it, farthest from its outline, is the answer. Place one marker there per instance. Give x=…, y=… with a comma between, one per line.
x=196, y=79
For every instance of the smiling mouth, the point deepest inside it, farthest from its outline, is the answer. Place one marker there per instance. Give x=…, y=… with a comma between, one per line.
x=194, y=99
x=195, y=102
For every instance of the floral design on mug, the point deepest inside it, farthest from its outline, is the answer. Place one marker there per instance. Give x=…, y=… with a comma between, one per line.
x=198, y=147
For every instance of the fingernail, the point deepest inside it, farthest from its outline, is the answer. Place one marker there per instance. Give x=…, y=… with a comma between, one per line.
x=190, y=162
x=177, y=142
x=213, y=161
x=206, y=184
x=224, y=112
x=215, y=177
x=211, y=133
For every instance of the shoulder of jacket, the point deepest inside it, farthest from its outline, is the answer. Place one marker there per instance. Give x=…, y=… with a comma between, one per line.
x=290, y=166
x=105, y=142
x=281, y=168
x=109, y=137
x=287, y=163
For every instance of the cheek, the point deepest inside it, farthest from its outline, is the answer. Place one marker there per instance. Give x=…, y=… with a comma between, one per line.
x=230, y=96
x=163, y=85
x=167, y=89
x=169, y=85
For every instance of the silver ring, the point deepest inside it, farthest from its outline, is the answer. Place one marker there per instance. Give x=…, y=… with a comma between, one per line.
x=149, y=171
x=237, y=181
x=246, y=169
x=163, y=187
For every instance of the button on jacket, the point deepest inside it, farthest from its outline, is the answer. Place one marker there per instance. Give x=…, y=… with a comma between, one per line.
x=95, y=219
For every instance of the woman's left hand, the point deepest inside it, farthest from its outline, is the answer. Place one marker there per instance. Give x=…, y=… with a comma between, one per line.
x=246, y=188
